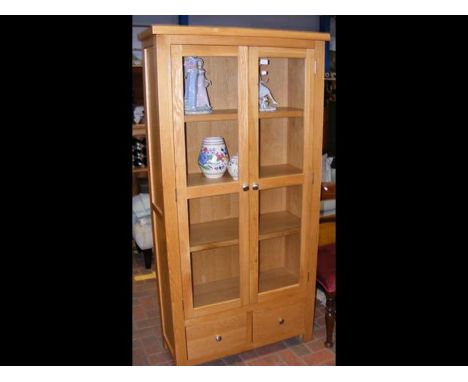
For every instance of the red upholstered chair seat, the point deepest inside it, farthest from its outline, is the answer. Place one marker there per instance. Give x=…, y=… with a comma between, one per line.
x=326, y=267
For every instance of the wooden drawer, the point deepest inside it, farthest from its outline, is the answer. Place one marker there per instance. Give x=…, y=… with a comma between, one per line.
x=216, y=336
x=278, y=323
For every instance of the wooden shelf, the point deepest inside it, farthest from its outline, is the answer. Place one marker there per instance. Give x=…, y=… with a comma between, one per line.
x=214, y=234
x=216, y=115
x=139, y=170
x=139, y=130
x=198, y=179
x=199, y=186
x=276, y=224
x=275, y=279
x=278, y=170
x=231, y=114
x=223, y=233
x=216, y=291
x=281, y=112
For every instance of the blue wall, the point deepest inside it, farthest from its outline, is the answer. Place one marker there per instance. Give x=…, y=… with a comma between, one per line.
x=301, y=22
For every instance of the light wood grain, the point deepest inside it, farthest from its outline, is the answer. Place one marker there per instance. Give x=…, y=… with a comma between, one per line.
x=164, y=113
x=241, y=41
x=282, y=112
x=216, y=291
x=215, y=115
x=213, y=208
x=213, y=234
x=156, y=190
x=276, y=224
x=223, y=74
x=211, y=50
x=282, y=52
x=254, y=163
x=276, y=278
x=236, y=32
x=201, y=338
x=198, y=179
x=181, y=176
x=222, y=252
x=278, y=170
x=281, y=181
x=314, y=139
x=220, y=233
x=266, y=324
x=201, y=186
x=243, y=151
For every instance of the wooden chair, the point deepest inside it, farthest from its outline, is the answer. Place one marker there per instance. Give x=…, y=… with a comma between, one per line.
x=326, y=264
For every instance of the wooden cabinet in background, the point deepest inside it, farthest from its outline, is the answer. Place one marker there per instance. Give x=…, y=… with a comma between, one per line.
x=138, y=131
x=236, y=258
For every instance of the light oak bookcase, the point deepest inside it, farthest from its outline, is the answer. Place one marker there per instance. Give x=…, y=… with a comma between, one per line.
x=236, y=260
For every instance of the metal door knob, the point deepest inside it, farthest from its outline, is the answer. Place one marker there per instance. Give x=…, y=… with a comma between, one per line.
x=245, y=187
x=281, y=321
x=218, y=338
x=255, y=186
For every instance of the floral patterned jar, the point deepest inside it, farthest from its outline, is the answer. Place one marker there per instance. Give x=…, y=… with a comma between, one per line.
x=213, y=158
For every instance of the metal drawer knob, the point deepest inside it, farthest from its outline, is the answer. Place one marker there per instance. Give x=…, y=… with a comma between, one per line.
x=281, y=321
x=245, y=187
x=255, y=186
x=218, y=338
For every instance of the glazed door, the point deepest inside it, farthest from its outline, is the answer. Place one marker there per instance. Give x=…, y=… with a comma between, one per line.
x=212, y=205
x=280, y=169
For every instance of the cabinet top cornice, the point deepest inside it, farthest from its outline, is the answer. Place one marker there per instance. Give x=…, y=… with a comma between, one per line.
x=227, y=31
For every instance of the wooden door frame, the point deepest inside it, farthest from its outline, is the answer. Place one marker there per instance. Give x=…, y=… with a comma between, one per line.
x=305, y=179
x=177, y=53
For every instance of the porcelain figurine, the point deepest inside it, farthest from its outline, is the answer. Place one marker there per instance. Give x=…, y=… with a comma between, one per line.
x=196, y=99
x=138, y=114
x=213, y=158
x=265, y=98
x=233, y=167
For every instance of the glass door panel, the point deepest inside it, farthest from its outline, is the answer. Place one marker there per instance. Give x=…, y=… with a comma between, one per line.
x=279, y=237
x=218, y=81
x=211, y=205
x=214, y=249
x=281, y=132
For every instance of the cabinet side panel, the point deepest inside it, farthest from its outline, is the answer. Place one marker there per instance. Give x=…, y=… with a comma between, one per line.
x=313, y=152
x=168, y=171
x=156, y=194
x=163, y=279
x=152, y=126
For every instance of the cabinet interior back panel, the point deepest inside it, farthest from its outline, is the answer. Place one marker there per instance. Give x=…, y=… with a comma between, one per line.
x=215, y=264
x=223, y=74
x=212, y=208
x=285, y=79
x=281, y=141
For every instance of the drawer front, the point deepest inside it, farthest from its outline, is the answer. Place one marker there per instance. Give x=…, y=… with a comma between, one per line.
x=278, y=323
x=217, y=336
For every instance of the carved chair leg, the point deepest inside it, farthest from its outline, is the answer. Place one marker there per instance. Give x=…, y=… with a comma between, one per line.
x=330, y=319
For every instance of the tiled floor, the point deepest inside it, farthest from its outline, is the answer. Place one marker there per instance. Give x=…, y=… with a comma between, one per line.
x=148, y=349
